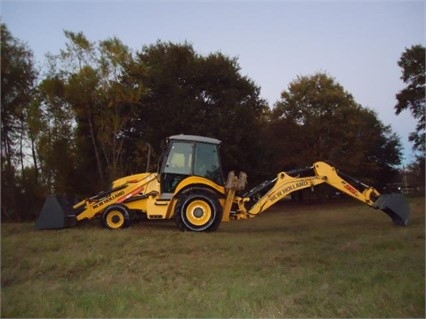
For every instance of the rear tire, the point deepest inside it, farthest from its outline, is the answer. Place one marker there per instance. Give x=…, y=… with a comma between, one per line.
x=116, y=217
x=198, y=210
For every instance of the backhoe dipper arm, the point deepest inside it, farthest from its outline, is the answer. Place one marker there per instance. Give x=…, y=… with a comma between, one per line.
x=394, y=205
x=368, y=195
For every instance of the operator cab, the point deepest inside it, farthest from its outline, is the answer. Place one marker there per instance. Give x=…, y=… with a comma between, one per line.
x=189, y=155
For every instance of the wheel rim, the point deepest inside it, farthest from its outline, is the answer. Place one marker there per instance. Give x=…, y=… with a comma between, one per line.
x=115, y=219
x=198, y=213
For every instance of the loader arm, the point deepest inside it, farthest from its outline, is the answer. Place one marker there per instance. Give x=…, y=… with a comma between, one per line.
x=250, y=204
x=58, y=213
x=120, y=194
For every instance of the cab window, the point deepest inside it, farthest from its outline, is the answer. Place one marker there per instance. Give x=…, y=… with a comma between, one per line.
x=179, y=160
x=207, y=163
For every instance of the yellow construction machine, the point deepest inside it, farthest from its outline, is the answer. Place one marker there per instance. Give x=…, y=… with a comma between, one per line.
x=189, y=187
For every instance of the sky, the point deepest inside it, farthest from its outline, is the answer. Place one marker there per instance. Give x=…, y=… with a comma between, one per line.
x=358, y=43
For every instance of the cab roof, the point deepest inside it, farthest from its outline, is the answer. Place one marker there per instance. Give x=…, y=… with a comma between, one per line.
x=195, y=138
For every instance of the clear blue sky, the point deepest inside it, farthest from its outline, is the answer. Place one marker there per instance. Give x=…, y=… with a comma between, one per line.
x=356, y=42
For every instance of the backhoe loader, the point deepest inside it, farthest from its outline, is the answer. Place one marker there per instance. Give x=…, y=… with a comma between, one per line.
x=189, y=187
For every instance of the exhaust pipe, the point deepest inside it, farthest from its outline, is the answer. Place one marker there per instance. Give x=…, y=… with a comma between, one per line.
x=396, y=206
x=57, y=213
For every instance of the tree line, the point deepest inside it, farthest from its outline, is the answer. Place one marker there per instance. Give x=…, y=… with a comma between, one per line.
x=91, y=115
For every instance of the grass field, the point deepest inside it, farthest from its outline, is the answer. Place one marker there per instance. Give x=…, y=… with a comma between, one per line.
x=340, y=259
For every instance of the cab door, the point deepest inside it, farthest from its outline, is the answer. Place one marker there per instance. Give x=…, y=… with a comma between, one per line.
x=177, y=165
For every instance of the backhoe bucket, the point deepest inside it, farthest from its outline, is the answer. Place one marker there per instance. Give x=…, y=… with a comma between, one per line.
x=395, y=206
x=56, y=213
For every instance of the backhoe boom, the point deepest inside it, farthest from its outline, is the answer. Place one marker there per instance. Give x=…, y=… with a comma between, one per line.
x=249, y=205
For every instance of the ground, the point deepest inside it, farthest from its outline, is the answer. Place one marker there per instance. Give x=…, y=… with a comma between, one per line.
x=340, y=259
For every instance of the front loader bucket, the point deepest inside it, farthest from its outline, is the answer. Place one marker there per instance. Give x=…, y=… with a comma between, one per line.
x=56, y=213
x=395, y=205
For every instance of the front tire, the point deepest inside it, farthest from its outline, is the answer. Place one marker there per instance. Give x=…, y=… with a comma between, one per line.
x=116, y=217
x=198, y=210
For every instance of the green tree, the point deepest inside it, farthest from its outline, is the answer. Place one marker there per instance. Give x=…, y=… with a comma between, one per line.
x=51, y=128
x=382, y=149
x=412, y=97
x=322, y=121
x=97, y=95
x=84, y=97
x=120, y=101
x=18, y=76
x=206, y=95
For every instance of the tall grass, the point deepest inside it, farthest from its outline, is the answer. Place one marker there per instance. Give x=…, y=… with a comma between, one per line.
x=332, y=260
